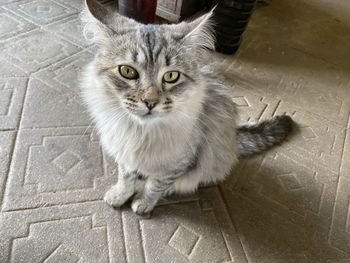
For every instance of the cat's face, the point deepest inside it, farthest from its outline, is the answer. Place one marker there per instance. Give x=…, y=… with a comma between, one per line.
x=151, y=77
x=149, y=70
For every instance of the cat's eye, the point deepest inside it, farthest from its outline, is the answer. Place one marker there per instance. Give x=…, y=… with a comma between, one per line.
x=128, y=72
x=171, y=76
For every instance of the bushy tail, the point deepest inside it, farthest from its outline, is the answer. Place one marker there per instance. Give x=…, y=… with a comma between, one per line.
x=258, y=137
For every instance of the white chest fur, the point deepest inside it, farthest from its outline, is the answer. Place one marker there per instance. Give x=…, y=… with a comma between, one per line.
x=149, y=149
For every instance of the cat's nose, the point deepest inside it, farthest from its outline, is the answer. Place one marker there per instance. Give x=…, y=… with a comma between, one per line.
x=150, y=105
x=151, y=97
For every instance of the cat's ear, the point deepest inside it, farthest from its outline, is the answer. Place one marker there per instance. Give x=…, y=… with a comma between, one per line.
x=199, y=33
x=94, y=17
x=202, y=32
x=97, y=10
x=101, y=23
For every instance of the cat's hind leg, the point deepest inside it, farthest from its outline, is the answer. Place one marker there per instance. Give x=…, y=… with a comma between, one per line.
x=123, y=190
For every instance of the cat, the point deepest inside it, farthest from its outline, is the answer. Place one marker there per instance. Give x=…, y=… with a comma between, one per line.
x=161, y=112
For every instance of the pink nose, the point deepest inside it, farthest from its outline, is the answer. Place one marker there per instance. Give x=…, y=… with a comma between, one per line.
x=150, y=97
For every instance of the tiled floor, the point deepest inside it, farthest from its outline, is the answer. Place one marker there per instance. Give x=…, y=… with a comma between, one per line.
x=290, y=204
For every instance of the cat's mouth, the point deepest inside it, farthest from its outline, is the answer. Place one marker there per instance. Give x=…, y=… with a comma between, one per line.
x=149, y=114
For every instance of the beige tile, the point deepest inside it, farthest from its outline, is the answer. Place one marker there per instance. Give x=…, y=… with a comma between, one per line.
x=6, y=148
x=89, y=232
x=56, y=166
x=194, y=231
x=12, y=93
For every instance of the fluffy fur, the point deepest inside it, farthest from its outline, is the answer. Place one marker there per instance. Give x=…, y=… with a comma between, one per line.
x=189, y=138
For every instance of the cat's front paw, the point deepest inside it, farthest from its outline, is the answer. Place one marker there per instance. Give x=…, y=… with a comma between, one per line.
x=142, y=206
x=117, y=196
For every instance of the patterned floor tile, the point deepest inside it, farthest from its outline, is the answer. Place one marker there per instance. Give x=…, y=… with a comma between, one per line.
x=297, y=192
x=283, y=202
x=6, y=147
x=41, y=12
x=8, y=70
x=340, y=230
x=70, y=29
x=12, y=93
x=4, y=2
x=174, y=233
x=304, y=81
x=47, y=106
x=283, y=209
x=56, y=166
x=12, y=25
x=54, y=100
x=77, y=4
x=55, y=235
x=36, y=50
x=268, y=237
x=251, y=107
x=316, y=140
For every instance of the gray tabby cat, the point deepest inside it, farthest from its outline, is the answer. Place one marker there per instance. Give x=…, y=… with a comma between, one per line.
x=160, y=111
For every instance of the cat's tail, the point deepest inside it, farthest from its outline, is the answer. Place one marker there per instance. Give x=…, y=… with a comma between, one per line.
x=256, y=138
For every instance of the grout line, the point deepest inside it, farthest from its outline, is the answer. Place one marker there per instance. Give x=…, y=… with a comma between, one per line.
x=142, y=241
x=263, y=111
x=53, y=64
x=233, y=222
x=338, y=181
x=7, y=170
x=123, y=226
x=51, y=253
x=9, y=130
x=275, y=110
x=226, y=244
x=14, y=144
x=51, y=206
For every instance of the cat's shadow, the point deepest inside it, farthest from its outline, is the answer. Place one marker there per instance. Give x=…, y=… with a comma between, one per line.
x=270, y=223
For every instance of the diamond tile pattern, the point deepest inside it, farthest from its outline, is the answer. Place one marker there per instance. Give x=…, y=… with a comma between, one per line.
x=66, y=161
x=41, y=11
x=37, y=49
x=290, y=204
x=184, y=240
x=70, y=29
x=11, y=25
x=289, y=181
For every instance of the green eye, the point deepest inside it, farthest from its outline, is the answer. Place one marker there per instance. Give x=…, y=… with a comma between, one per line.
x=171, y=76
x=128, y=72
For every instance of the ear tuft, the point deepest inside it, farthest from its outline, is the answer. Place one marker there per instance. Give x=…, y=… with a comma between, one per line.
x=201, y=32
